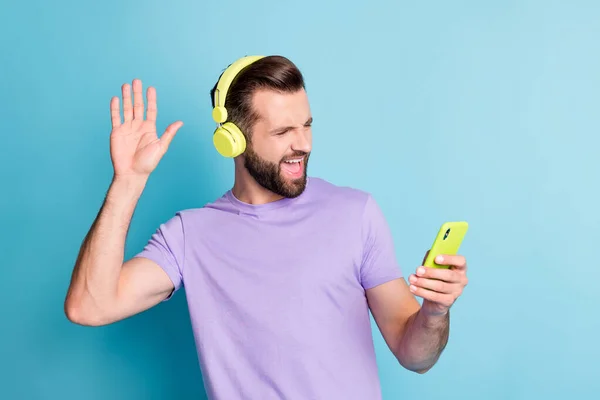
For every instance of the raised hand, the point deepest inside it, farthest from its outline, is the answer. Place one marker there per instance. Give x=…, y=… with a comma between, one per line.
x=135, y=148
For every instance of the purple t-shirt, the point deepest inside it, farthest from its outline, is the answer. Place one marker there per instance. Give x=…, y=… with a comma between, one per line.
x=276, y=292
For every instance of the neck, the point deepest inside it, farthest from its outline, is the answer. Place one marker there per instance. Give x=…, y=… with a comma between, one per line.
x=247, y=190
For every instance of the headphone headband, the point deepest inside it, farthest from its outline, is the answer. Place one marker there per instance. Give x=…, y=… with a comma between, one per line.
x=219, y=112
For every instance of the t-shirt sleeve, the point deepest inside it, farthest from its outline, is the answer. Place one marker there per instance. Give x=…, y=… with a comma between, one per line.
x=166, y=247
x=379, y=262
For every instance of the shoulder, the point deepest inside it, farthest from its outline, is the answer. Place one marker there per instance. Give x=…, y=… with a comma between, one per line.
x=207, y=211
x=342, y=195
x=355, y=203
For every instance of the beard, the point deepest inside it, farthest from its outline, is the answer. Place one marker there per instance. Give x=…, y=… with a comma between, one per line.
x=269, y=176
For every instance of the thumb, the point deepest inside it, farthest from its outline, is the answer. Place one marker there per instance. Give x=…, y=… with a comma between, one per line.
x=167, y=137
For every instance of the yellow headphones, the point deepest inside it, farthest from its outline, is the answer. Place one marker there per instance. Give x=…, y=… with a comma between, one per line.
x=228, y=138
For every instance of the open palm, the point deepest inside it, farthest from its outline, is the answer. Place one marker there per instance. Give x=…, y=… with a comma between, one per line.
x=135, y=148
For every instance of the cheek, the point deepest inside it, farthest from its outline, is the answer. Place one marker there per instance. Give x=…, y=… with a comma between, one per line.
x=272, y=150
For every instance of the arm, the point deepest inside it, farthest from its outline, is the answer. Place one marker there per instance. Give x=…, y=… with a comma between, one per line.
x=415, y=339
x=417, y=335
x=103, y=289
x=423, y=341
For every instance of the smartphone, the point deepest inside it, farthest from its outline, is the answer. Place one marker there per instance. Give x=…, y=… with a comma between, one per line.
x=447, y=241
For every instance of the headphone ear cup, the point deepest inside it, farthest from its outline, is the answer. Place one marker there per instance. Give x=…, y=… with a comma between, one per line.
x=229, y=140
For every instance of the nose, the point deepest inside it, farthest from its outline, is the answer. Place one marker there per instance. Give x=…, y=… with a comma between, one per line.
x=302, y=140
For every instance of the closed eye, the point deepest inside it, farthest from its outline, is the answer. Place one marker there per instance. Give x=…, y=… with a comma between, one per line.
x=283, y=131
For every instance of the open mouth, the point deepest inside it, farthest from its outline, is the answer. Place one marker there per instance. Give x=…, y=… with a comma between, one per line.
x=293, y=167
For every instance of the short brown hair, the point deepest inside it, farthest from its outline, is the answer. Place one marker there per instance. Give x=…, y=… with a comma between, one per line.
x=275, y=72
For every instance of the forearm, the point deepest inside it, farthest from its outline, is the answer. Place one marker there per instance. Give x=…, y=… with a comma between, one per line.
x=95, y=277
x=423, y=341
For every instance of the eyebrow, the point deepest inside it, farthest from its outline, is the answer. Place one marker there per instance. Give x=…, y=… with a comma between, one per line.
x=286, y=128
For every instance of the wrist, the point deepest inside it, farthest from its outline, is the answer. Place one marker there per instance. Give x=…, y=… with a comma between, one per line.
x=434, y=319
x=124, y=192
x=128, y=183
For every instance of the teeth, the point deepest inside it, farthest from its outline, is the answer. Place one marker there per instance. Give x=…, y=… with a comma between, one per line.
x=293, y=161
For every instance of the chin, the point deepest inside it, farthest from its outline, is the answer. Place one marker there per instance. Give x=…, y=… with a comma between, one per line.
x=294, y=187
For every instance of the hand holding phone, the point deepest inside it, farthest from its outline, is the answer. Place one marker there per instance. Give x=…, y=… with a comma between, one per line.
x=440, y=285
x=448, y=241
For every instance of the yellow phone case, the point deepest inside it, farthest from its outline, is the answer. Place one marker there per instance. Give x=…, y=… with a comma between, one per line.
x=447, y=241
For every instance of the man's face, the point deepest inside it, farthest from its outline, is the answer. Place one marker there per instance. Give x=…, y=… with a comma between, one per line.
x=277, y=154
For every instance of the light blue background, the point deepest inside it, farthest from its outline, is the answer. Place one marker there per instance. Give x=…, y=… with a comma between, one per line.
x=482, y=111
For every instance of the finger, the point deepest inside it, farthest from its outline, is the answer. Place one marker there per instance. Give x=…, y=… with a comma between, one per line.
x=152, y=110
x=454, y=261
x=138, y=100
x=127, y=108
x=433, y=284
x=440, y=298
x=446, y=275
x=115, y=112
x=170, y=132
